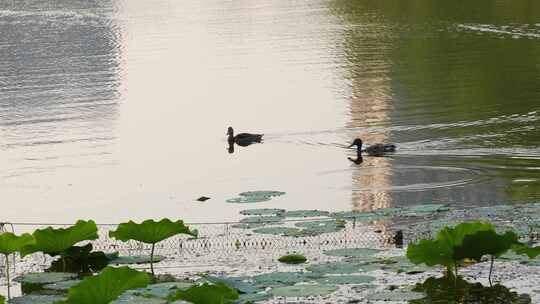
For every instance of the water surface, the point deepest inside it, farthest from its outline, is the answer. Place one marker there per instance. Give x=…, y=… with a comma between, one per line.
x=117, y=110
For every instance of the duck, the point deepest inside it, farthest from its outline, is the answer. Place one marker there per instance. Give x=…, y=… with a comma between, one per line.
x=243, y=139
x=373, y=150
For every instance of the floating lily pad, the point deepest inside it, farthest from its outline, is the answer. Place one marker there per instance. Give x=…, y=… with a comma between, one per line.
x=254, y=197
x=360, y=216
x=342, y=267
x=345, y=279
x=159, y=290
x=262, y=219
x=44, y=277
x=352, y=252
x=36, y=299
x=135, y=259
x=248, y=225
x=306, y=213
x=64, y=285
x=423, y=209
x=284, y=278
x=304, y=290
x=250, y=298
x=133, y=299
x=396, y=295
x=238, y=283
x=264, y=211
x=277, y=230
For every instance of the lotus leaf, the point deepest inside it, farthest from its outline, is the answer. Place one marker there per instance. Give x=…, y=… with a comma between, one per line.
x=36, y=299
x=345, y=279
x=248, y=225
x=136, y=259
x=352, y=252
x=441, y=251
x=522, y=249
x=80, y=259
x=207, y=294
x=319, y=227
x=293, y=259
x=238, y=283
x=425, y=208
x=44, y=277
x=359, y=216
x=341, y=267
x=388, y=211
x=304, y=290
x=10, y=243
x=2, y=299
x=149, y=231
x=159, y=290
x=476, y=245
x=106, y=286
x=306, y=213
x=255, y=197
x=277, y=230
x=63, y=285
x=262, y=219
x=264, y=211
x=56, y=241
x=250, y=298
x=396, y=295
x=284, y=278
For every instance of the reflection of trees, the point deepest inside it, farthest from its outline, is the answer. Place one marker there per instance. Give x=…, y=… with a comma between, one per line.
x=59, y=71
x=440, y=72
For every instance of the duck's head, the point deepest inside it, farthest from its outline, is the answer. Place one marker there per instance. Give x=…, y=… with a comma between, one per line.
x=230, y=131
x=357, y=142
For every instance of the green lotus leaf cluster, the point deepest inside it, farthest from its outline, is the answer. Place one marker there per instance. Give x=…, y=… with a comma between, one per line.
x=55, y=241
x=150, y=231
x=11, y=243
x=106, y=286
x=466, y=241
x=2, y=300
x=293, y=259
x=218, y=293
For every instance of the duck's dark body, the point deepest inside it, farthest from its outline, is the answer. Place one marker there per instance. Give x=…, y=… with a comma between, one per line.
x=243, y=139
x=373, y=150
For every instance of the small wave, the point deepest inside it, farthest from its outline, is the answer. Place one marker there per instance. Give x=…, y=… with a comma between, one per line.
x=505, y=30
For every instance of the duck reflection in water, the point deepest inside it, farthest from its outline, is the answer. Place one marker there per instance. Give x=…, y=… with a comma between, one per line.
x=358, y=160
x=242, y=139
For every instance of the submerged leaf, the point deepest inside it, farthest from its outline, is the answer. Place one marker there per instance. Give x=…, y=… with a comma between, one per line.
x=345, y=279
x=55, y=241
x=107, y=286
x=277, y=230
x=306, y=213
x=255, y=197
x=44, y=277
x=10, y=243
x=36, y=299
x=206, y=294
x=136, y=259
x=522, y=249
x=264, y=211
x=352, y=252
x=304, y=290
x=149, y=231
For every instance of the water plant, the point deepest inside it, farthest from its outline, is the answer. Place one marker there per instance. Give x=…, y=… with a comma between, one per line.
x=9, y=244
x=58, y=241
x=81, y=259
x=467, y=241
x=150, y=232
x=293, y=259
x=218, y=293
x=2, y=300
x=107, y=286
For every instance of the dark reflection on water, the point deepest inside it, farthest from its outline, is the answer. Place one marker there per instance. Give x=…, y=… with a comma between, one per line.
x=455, y=84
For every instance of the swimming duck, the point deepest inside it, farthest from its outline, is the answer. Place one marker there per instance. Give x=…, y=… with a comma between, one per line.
x=373, y=150
x=243, y=139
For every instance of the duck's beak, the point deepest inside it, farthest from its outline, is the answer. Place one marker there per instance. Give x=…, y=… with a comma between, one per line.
x=352, y=145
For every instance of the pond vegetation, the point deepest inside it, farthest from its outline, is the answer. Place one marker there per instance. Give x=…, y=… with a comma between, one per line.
x=81, y=275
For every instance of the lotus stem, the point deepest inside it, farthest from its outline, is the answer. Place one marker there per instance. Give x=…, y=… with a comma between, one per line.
x=7, y=277
x=152, y=259
x=491, y=270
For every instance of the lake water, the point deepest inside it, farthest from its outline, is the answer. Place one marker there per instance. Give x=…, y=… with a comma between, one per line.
x=116, y=110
